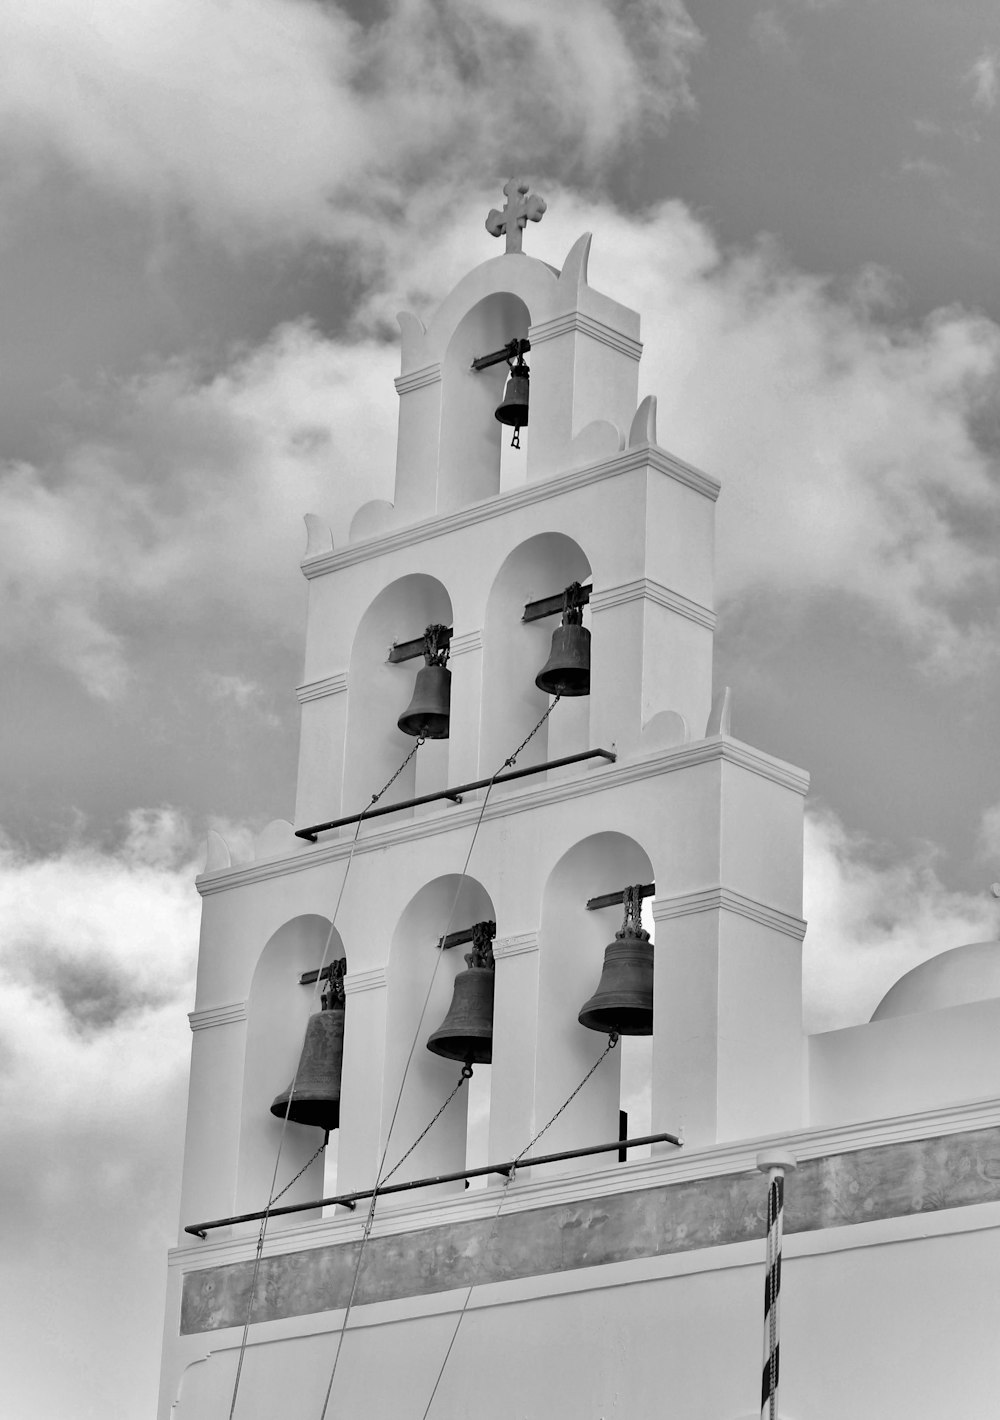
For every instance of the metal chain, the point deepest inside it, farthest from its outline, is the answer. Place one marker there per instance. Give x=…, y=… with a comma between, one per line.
x=389, y=782
x=612, y=1042
x=301, y=1171
x=465, y=1075
x=511, y=759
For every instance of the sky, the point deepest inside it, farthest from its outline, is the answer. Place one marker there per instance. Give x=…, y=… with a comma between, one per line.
x=210, y=212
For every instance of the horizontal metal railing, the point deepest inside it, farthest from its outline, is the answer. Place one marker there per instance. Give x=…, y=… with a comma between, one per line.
x=455, y=794
x=348, y=1200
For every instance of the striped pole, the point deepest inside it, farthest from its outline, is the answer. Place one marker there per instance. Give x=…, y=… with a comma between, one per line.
x=774, y=1163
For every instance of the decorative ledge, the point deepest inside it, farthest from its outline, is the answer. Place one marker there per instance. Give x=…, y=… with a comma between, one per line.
x=416, y=379
x=468, y=641
x=218, y=1016
x=515, y=946
x=645, y=589
x=525, y=495
x=723, y=899
x=612, y=776
x=318, y=689
x=586, y=325
x=374, y=980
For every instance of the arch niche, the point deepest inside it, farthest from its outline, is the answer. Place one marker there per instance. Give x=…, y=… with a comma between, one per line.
x=379, y=692
x=571, y=950
x=277, y=1011
x=471, y=436
x=420, y=978
x=514, y=651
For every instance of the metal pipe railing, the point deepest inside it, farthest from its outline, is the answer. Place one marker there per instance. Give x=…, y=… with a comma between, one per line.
x=454, y=793
x=348, y=1200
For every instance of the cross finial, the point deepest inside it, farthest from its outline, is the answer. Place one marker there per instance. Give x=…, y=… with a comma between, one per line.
x=517, y=210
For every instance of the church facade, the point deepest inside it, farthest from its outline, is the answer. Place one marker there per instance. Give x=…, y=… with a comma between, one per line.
x=624, y=1283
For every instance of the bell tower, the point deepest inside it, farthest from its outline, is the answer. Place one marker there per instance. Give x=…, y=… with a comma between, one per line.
x=509, y=743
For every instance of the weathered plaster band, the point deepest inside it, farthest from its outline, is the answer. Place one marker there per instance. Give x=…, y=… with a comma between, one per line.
x=725, y=900
x=317, y=689
x=218, y=1015
x=894, y=1180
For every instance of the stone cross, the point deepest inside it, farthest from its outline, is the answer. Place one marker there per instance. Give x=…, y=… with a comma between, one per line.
x=517, y=210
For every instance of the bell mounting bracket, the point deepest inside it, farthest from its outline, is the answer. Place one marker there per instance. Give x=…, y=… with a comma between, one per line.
x=468, y=934
x=513, y=350
x=554, y=606
x=616, y=899
x=401, y=651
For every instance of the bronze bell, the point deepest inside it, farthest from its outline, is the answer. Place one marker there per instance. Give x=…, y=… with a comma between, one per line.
x=513, y=408
x=315, y=1090
x=428, y=714
x=623, y=1001
x=466, y=1033
x=567, y=671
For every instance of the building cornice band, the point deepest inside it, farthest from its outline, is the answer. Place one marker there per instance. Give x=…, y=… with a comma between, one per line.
x=524, y=496
x=319, y=689
x=645, y=589
x=586, y=325
x=722, y=899
x=417, y=379
x=612, y=776
x=211, y=1016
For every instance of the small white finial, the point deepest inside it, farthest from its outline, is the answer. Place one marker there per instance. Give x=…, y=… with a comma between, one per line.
x=519, y=209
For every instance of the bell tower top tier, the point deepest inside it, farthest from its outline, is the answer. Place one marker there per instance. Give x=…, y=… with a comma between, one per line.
x=584, y=359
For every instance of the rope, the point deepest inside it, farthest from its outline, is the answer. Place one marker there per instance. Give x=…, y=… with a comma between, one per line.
x=772, y=1289
x=317, y=988
x=612, y=1042
x=379, y=1177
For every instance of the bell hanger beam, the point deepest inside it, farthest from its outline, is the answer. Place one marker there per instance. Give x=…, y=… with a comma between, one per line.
x=455, y=793
x=553, y=606
x=401, y=651
x=616, y=899
x=513, y=350
x=468, y=934
x=349, y=1200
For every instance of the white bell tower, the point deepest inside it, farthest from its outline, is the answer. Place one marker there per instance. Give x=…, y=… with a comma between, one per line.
x=710, y=826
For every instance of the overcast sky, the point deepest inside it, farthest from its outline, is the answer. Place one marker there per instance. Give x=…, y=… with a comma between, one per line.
x=210, y=211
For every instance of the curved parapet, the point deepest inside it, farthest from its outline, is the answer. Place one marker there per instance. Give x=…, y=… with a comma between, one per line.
x=642, y=431
x=319, y=538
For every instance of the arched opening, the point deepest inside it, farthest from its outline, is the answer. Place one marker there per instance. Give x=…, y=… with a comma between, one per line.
x=571, y=946
x=514, y=651
x=471, y=436
x=420, y=982
x=379, y=692
x=278, y=1008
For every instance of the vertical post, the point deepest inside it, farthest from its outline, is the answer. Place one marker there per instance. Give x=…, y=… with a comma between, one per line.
x=774, y=1163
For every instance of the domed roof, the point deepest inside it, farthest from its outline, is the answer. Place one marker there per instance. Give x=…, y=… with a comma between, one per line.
x=953, y=978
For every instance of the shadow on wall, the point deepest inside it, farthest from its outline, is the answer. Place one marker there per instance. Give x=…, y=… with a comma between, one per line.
x=514, y=652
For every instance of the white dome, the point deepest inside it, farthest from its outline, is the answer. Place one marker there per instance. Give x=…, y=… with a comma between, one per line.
x=953, y=978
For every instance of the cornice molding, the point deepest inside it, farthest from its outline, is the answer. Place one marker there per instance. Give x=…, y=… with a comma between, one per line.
x=468, y=641
x=358, y=981
x=515, y=946
x=318, y=689
x=525, y=495
x=645, y=589
x=211, y=1016
x=417, y=379
x=610, y=776
x=722, y=899
x=586, y=325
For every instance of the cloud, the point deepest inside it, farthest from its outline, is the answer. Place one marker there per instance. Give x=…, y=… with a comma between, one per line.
x=97, y=957
x=983, y=78
x=287, y=121
x=872, y=917
x=858, y=454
